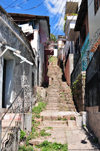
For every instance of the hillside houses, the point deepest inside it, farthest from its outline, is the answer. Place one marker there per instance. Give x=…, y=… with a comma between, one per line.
x=83, y=43
x=23, y=40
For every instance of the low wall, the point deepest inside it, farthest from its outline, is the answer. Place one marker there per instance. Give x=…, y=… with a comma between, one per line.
x=78, y=91
x=69, y=68
x=94, y=120
x=12, y=143
x=12, y=137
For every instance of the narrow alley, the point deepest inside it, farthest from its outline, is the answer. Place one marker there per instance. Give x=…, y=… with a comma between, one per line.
x=50, y=75
x=60, y=116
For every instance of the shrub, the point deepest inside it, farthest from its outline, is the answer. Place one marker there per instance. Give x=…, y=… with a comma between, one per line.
x=39, y=108
x=22, y=135
x=44, y=133
x=25, y=148
x=48, y=146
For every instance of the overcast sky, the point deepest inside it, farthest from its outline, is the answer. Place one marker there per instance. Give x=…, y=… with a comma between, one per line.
x=55, y=9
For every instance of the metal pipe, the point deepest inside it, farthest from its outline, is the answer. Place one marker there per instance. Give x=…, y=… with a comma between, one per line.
x=16, y=53
x=22, y=58
x=3, y=52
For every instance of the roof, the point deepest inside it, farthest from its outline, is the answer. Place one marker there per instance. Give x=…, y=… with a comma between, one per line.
x=81, y=15
x=24, y=18
x=20, y=31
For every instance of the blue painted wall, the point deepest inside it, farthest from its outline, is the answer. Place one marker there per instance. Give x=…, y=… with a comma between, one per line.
x=86, y=55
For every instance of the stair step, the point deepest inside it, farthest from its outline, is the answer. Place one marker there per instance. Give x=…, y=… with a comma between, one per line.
x=54, y=123
x=51, y=115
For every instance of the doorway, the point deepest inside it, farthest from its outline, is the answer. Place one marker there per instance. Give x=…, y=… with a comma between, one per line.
x=7, y=82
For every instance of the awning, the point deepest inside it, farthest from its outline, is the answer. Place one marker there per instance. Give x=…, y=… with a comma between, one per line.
x=16, y=53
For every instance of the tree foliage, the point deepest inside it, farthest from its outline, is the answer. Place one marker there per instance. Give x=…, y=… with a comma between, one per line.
x=53, y=37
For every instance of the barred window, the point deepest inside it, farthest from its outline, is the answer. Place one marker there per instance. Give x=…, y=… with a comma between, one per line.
x=96, y=5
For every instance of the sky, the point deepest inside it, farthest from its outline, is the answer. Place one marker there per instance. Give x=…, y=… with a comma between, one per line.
x=55, y=9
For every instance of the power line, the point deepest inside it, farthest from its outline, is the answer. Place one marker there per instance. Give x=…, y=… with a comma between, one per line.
x=19, y=5
x=35, y=6
x=10, y=4
x=55, y=30
x=59, y=19
x=56, y=13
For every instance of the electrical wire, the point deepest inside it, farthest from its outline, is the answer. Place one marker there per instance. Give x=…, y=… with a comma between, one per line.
x=55, y=14
x=57, y=27
x=19, y=5
x=35, y=6
x=10, y=4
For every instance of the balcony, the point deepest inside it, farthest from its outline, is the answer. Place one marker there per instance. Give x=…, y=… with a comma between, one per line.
x=71, y=4
x=70, y=25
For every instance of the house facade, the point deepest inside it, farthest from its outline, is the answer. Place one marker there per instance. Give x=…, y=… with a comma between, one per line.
x=69, y=49
x=93, y=71
x=82, y=46
x=16, y=63
x=37, y=30
x=61, y=44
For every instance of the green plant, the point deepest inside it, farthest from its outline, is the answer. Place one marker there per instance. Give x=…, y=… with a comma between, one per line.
x=53, y=37
x=84, y=125
x=72, y=118
x=25, y=148
x=52, y=59
x=37, y=116
x=49, y=128
x=30, y=136
x=22, y=135
x=39, y=108
x=64, y=119
x=44, y=133
x=59, y=118
x=48, y=146
x=22, y=148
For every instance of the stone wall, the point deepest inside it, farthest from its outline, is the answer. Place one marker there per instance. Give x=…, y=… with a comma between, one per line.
x=78, y=91
x=12, y=143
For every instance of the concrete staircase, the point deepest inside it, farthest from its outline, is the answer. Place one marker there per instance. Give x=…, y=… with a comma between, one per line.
x=60, y=114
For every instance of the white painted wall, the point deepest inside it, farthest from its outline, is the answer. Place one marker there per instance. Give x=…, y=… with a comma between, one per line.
x=35, y=45
x=55, y=52
x=26, y=28
x=94, y=20
x=71, y=62
x=60, y=44
x=35, y=41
